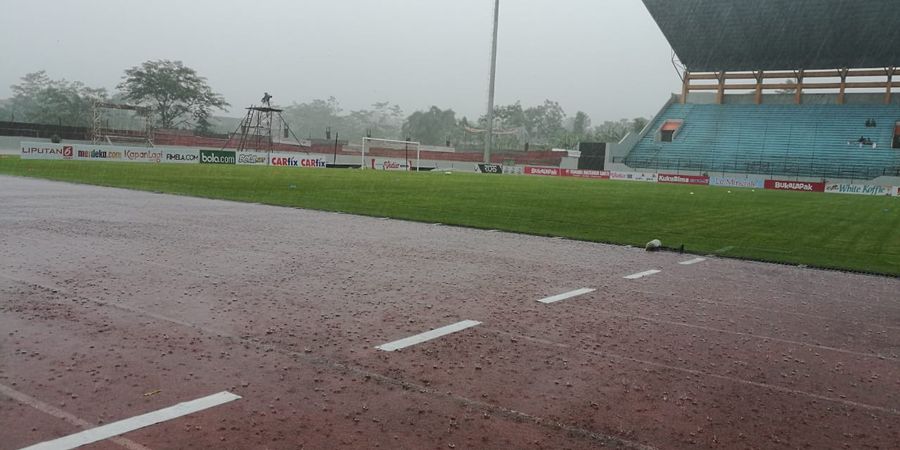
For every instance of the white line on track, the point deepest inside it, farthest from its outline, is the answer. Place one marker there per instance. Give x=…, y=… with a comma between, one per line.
x=561, y=297
x=427, y=336
x=692, y=261
x=642, y=274
x=135, y=423
x=51, y=410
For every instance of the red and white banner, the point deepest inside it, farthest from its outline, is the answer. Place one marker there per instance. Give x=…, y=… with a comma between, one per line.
x=579, y=173
x=682, y=179
x=801, y=186
x=543, y=171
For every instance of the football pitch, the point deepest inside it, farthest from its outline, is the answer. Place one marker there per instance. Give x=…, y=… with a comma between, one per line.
x=830, y=231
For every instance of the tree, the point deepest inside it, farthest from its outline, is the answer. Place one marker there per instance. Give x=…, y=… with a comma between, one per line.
x=638, y=124
x=40, y=99
x=581, y=125
x=384, y=120
x=312, y=118
x=615, y=131
x=175, y=92
x=545, y=121
x=432, y=127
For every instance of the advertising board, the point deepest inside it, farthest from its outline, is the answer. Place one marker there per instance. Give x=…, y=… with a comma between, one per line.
x=633, y=176
x=542, y=171
x=682, y=179
x=43, y=150
x=738, y=182
x=246, y=158
x=300, y=160
x=579, y=173
x=490, y=168
x=799, y=186
x=858, y=189
x=181, y=156
x=217, y=157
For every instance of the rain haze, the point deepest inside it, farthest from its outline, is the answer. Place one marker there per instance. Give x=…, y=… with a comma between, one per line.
x=607, y=58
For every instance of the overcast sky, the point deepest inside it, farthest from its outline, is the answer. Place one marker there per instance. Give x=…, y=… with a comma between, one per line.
x=605, y=57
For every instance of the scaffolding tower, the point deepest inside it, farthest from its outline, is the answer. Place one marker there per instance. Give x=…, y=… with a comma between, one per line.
x=261, y=129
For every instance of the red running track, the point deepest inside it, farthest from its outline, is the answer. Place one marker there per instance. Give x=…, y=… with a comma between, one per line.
x=116, y=303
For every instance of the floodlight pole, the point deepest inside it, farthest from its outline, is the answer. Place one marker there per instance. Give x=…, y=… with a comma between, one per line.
x=489, y=141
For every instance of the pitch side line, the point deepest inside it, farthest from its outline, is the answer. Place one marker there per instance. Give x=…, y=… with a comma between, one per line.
x=427, y=336
x=135, y=423
x=691, y=262
x=642, y=274
x=560, y=297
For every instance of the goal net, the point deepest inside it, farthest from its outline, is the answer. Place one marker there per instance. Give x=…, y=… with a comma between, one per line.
x=390, y=154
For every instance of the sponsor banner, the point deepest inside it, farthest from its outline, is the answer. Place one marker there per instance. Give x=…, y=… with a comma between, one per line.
x=738, y=182
x=142, y=155
x=633, y=176
x=252, y=158
x=100, y=153
x=297, y=160
x=36, y=150
x=217, y=157
x=896, y=191
x=490, y=168
x=578, y=173
x=388, y=164
x=801, y=186
x=543, y=171
x=682, y=179
x=42, y=150
x=858, y=189
x=181, y=156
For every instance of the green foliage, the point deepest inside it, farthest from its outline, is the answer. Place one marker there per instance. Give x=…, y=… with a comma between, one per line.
x=177, y=94
x=40, y=99
x=432, y=127
x=582, y=124
x=311, y=119
x=614, y=131
x=838, y=231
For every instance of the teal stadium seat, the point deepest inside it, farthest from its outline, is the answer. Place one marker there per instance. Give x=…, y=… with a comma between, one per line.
x=784, y=140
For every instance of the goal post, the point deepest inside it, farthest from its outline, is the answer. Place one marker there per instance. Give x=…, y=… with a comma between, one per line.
x=392, y=145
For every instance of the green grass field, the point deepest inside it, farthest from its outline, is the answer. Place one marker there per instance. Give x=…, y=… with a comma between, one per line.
x=835, y=231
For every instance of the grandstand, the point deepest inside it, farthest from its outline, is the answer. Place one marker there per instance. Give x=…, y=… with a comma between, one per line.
x=836, y=118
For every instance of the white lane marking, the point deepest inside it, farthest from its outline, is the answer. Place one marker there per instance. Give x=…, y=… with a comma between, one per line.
x=135, y=423
x=427, y=336
x=642, y=274
x=51, y=410
x=692, y=261
x=560, y=297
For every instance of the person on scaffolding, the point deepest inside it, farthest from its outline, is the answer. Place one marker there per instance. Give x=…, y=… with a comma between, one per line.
x=267, y=99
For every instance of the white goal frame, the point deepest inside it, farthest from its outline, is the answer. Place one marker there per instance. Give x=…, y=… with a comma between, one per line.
x=367, y=140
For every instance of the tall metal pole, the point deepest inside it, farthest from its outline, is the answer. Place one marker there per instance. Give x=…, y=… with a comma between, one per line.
x=489, y=141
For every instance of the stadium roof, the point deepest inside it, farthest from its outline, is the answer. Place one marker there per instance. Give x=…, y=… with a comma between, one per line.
x=738, y=35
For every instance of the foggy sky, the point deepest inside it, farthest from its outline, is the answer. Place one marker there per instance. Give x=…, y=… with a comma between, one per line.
x=605, y=57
